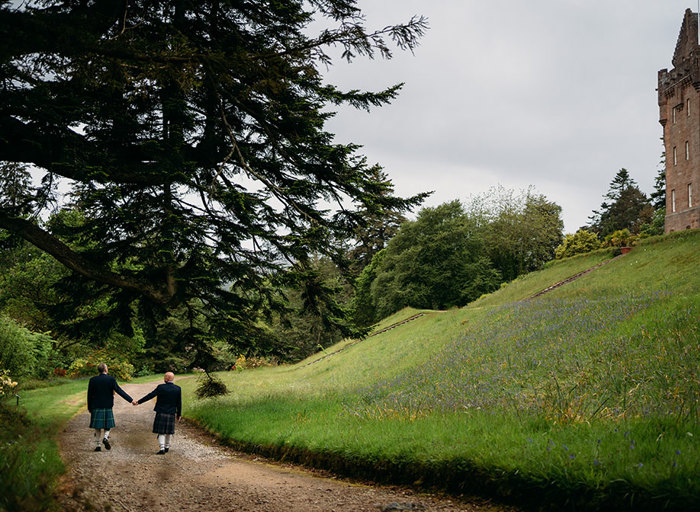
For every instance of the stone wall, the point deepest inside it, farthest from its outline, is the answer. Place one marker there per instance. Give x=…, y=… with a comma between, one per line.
x=679, y=114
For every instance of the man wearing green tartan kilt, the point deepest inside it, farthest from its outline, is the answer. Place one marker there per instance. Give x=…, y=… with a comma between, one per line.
x=100, y=400
x=168, y=410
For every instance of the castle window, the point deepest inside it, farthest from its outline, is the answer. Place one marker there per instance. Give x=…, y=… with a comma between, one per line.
x=687, y=150
x=673, y=201
x=690, y=195
x=688, y=107
x=675, y=156
x=673, y=115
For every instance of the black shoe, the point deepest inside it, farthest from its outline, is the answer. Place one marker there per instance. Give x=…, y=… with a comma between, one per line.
x=160, y=452
x=166, y=450
x=105, y=442
x=98, y=449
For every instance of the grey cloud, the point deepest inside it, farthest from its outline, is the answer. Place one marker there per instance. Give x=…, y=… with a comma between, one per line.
x=557, y=94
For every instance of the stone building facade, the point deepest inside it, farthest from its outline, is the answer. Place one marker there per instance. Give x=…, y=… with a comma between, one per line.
x=679, y=114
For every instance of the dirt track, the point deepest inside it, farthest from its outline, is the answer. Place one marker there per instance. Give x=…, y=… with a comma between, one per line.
x=200, y=475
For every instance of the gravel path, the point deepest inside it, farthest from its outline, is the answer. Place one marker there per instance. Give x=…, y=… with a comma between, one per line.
x=200, y=475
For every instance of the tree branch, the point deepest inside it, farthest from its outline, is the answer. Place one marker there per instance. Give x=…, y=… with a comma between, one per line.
x=23, y=142
x=76, y=262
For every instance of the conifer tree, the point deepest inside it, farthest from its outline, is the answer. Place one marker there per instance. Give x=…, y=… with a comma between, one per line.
x=624, y=206
x=191, y=136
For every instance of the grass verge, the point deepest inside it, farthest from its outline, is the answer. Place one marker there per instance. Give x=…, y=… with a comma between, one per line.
x=30, y=463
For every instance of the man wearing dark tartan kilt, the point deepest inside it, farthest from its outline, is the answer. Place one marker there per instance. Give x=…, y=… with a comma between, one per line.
x=168, y=410
x=100, y=400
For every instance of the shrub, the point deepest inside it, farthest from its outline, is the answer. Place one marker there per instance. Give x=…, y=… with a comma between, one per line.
x=86, y=367
x=243, y=362
x=23, y=353
x=620, y=238
x=581, y=242
x=6, y=383
x=210, y=386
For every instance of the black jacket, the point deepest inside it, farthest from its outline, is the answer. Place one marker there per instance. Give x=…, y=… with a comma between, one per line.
x=101, y=389
x=169, y=399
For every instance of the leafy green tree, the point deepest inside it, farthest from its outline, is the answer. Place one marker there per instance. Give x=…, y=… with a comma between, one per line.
x=624, y=207
x=376, y=229
x=581, y=242
x=437, y=261
x=521, y=230
x=22, y=352
x=27, y=280
x=363, y=305
x=656, y=226
x=192, y=136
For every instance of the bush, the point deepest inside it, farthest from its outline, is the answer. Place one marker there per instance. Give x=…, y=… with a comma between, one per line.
x=620, y=238
x=7, y=385
x=87, y=367
x=23, y=353
x=210, y=386
x=581, y=242
x=243, y=362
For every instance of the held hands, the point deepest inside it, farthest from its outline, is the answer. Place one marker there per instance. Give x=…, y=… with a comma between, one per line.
x=134, y=402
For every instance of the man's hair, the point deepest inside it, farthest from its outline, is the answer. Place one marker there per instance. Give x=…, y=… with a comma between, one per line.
x=102, y=368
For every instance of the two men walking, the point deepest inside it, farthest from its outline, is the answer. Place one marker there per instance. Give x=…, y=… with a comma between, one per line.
x=101, y=391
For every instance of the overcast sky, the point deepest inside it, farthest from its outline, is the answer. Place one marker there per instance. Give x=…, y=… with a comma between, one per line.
x=558, y=94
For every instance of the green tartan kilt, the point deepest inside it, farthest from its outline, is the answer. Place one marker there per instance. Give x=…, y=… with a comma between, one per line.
x=164, y=423
x=102, y=418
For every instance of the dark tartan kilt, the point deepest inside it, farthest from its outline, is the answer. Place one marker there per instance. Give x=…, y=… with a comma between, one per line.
x=102, y=418
x=164, y=423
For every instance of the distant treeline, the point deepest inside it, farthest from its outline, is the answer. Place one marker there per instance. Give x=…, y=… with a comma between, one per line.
x=448, y=256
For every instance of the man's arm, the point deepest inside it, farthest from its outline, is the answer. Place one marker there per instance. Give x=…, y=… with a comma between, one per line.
x=179, y=403
x=90, y=394
x=149, y=396
x=121, y=392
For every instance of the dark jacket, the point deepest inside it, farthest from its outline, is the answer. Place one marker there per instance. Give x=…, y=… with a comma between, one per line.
x=169, y=399
x=101, y=389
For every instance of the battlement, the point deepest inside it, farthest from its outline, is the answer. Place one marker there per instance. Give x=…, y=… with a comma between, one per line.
x=686, y=60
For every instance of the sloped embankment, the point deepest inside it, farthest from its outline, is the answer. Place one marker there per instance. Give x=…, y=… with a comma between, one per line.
x=586, y=397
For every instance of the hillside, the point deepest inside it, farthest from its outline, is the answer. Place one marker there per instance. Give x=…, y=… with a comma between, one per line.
x=584, y=397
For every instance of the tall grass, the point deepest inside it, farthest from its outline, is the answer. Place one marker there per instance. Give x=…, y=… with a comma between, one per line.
x=29, y=458
x=587, y=396
x=29, y=463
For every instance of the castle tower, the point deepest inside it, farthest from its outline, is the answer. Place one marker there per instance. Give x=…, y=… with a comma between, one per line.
x=679, y=114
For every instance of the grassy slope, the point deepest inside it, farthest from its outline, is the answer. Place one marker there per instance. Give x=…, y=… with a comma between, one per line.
x=588, y=395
